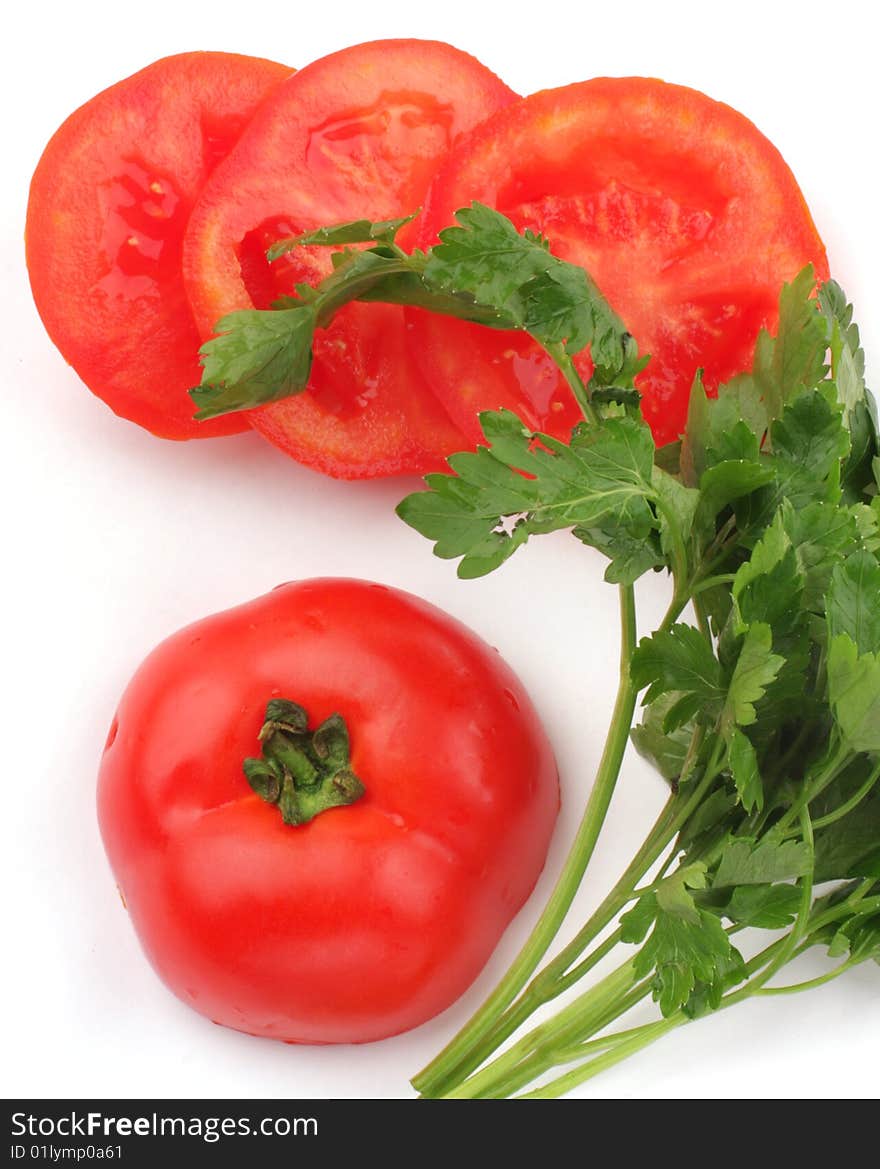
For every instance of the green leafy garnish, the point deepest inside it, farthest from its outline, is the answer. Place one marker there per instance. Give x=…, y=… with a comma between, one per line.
x=760, y=688
x=358, y=231
x=483, y=270
x=601, y=481
x=687, y=945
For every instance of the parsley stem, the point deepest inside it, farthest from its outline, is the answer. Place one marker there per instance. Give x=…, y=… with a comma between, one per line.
x=639, y=1038
x=542, y=1061
x=702, y=618
x=810, y=983
x=602, y=1043
x=672, y=819
x=711, y=582
x=540, y=1058
x=530, y=1000
x=845, y=808
x=626, y=1043
x=857, y=899
x=569, y=371
x=789, y=943
x=678, y=551
x=586, y=964
x=453, y=1062
x=579, y=1019
x=556, y=977
x=837, y=760
x=338, y=290
x=634, y=1041
x=491, y=1026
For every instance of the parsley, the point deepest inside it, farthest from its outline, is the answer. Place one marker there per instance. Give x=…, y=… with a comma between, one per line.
x=687, y=945
x=482, y=270
x=760, y=689
x=601, y=481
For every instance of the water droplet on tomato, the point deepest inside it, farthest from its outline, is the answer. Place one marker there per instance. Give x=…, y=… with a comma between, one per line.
x=111, y=734
x=511, y=698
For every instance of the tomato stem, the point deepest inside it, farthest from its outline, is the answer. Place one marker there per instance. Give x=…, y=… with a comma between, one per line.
x=302, y=772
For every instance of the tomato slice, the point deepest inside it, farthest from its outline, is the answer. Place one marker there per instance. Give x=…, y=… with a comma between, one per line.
x=356, y=135
x=683, y=212
x=108, y=205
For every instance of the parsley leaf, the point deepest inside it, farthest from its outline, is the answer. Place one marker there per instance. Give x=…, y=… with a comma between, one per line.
x=822, y=534
x=733, y=426
x=679, y=659
x=847, y=355
x=854, y=601
x=756, y=667
x=858, y=937
x=850, y=847
x=793, y=361
x=687, y=944
x=603, y=479
x=854, y=693
x=486, y=258
x=749, y=861
x=356, y=231
x=767, y=907
x=767, y=588
x=706, y=996
x=743, y=763
x=257, y=357
x=630, y=556
x=667, y=750
x=730, y=480
x=729, y=427
x=809, y=440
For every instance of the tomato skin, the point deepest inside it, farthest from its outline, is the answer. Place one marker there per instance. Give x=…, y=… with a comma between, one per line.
x=356, y=134
x=687, y=217
x=373, y=917
x=109, y=201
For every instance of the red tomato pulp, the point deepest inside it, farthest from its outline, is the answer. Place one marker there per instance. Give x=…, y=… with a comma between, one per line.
x=356, y=135
x=109, y=202
x=682, y=211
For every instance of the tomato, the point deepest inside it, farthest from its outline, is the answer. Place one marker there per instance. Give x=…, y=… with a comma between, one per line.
x=376, y=914
x=356, y=135
x=108, y=205
x=686, y=216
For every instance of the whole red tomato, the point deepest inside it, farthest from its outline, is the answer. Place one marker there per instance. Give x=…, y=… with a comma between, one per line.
x=375, y=914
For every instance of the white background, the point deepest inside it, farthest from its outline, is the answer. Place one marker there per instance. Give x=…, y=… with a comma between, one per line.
x=114, y=539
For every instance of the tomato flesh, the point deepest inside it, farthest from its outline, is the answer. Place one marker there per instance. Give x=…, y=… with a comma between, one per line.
x=685, y=215
x=356, y=135
x=108, y=207
x=373, y=917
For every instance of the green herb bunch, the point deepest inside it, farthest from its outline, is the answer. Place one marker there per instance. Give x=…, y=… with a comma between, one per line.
x=760, y=689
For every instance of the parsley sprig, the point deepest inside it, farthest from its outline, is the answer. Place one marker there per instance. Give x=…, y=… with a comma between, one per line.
x=760, y=689
x=482, y=270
